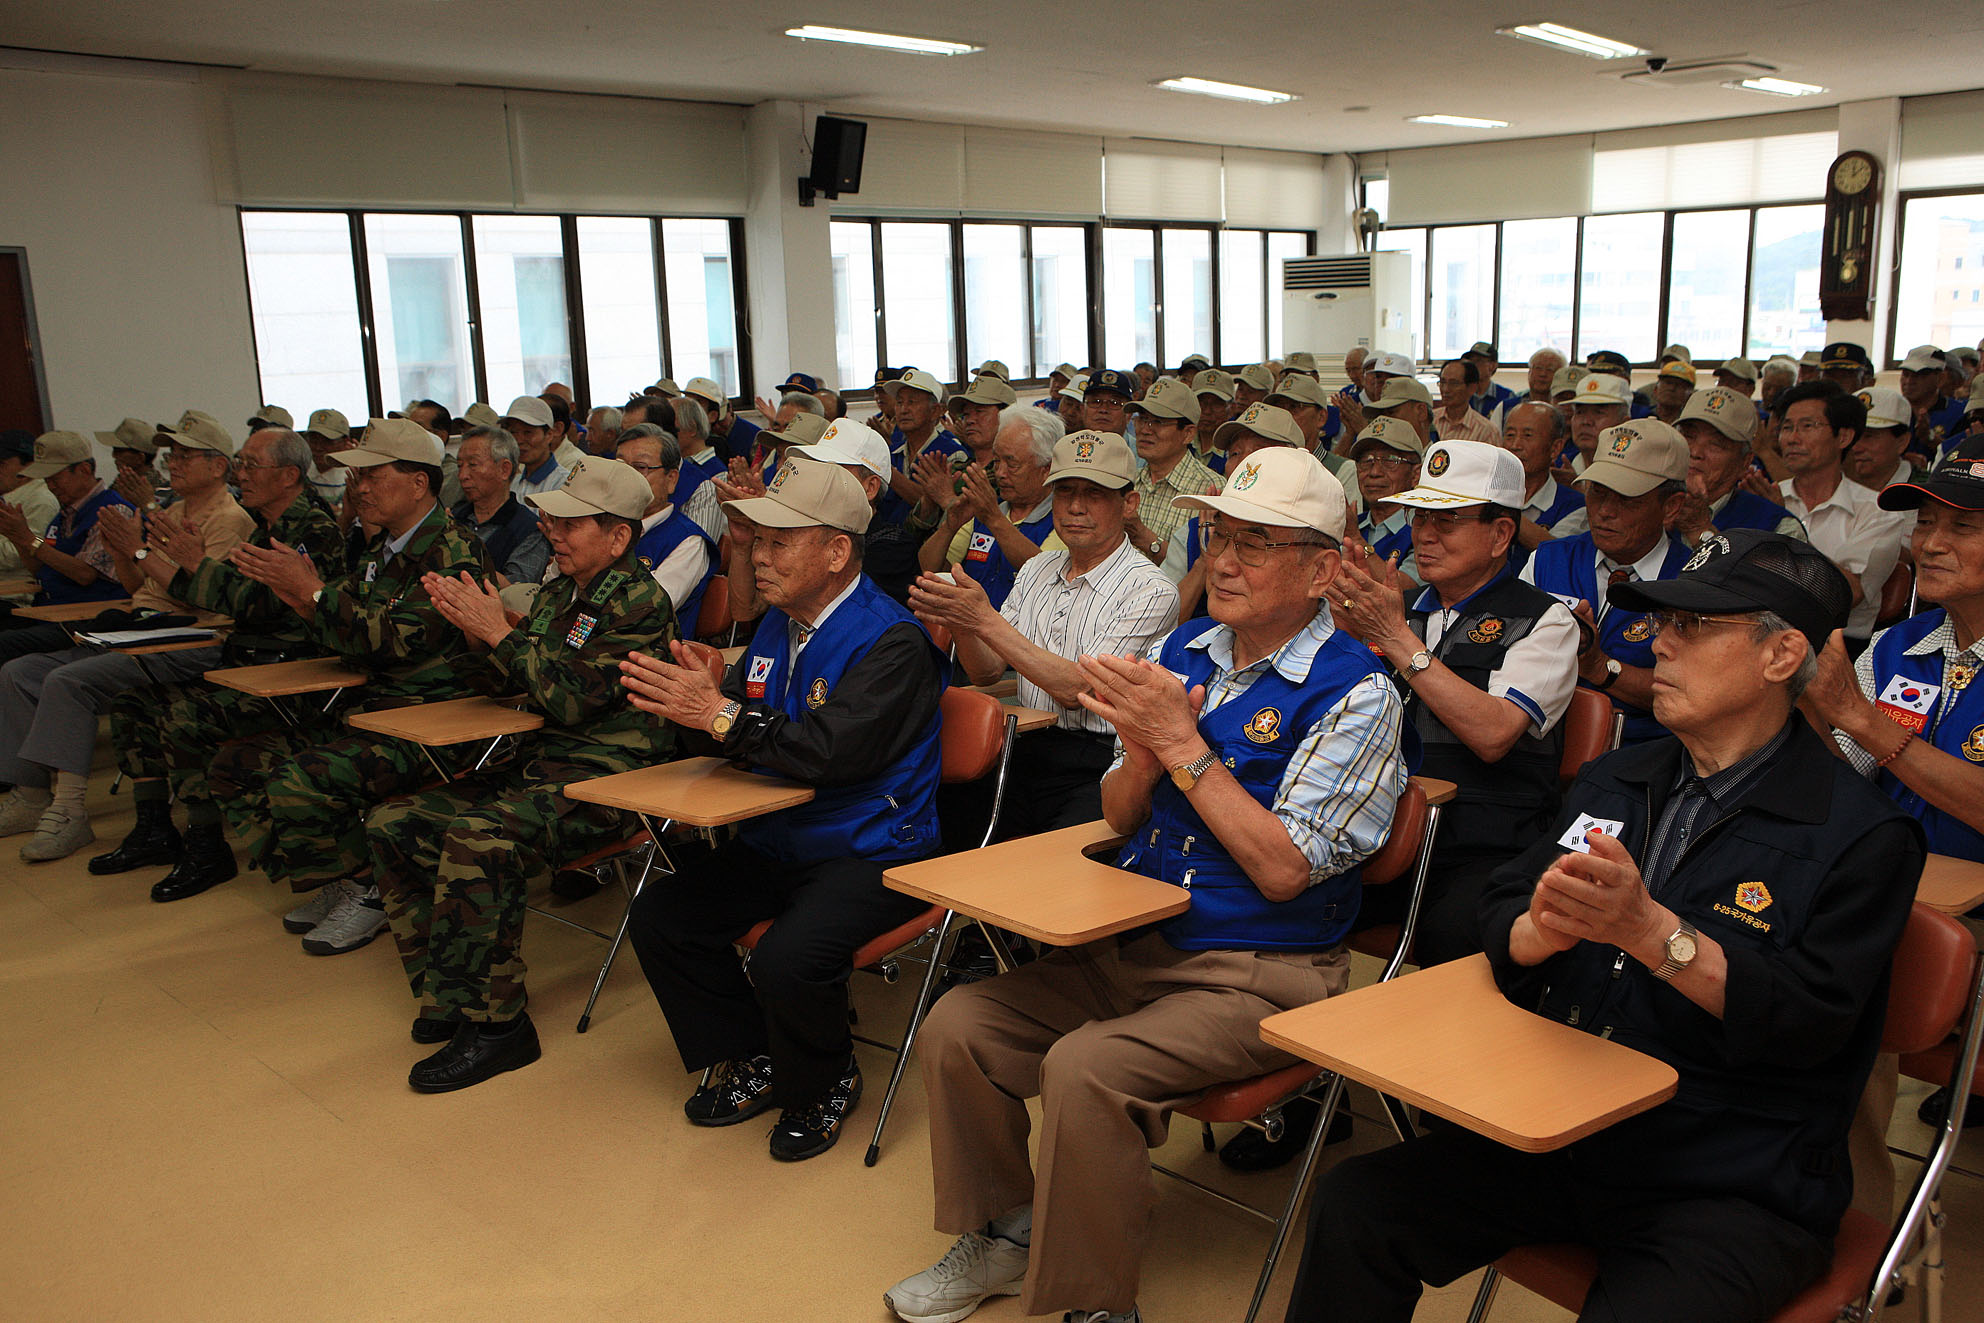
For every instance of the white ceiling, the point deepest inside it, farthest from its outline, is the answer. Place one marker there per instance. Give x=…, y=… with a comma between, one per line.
x=1084, y=68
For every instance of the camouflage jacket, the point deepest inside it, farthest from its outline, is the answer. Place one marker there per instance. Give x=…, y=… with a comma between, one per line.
x=262, y=621
x=379, y=617
x=565, y=656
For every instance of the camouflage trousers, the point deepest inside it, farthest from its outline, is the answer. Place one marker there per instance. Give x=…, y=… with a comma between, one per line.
x=454, y=866
x=317, y=796
x=173, y=732
x=238, y=778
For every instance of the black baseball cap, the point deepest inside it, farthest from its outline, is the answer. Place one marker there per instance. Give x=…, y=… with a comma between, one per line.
x=1957, y=481
x=17, y=443
x=1112, y=381
x=1744, y=570
x=1845, y=354
x=1606, y=360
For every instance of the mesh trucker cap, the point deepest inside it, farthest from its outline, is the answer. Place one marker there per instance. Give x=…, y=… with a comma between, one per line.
x=1168, y=397
x=1263, y=419
x=847, y=442
x=805, y=493
x=1730, y=412
x=1102, y=458
x=131, y=434
x=395, y=439
x=1462, y=473
x=1288, y=488
x=597, y=486
x=1744, y=570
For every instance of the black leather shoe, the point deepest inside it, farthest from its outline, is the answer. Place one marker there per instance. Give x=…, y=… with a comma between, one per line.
x=433, y=1031
x=1250, y=1150
x=477, y=1053
x=153, y=840
x=1935, y=1109
x=208, y=863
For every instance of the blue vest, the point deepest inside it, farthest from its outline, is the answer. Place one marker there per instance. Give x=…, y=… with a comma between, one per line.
x=1254, y=733
x=1953, y=723
x=885, y=819
x=1939, y=431
x=1567, y=500
x=692, y=475
x=1399, y=539
x=892, y=507
x=1569, y=568
x=663, y=538
x=1749, y=510
x=986, y=562
x=58, y=589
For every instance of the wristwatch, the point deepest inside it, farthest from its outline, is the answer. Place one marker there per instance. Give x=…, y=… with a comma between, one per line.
x=1612, y=670
x=34, y=547
x=1157, y=545
x=141, y=553
x=1417, y=662
x=1683, y=944
x=1188, y=776
x=725, y=718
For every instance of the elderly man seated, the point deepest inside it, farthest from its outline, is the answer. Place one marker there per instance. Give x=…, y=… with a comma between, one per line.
x=839, y=688
x=995, y=522
x=1727, y=900
x=64, y=551
x=1260, y=764
x=1718, y=426
x=453, y=865
x=485, y=465
x=670, y=545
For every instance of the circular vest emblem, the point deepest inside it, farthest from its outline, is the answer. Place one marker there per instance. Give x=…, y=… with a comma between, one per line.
x=647, y=562
x=817, y=695
x=1973, y=748
x=1438, y=464
x=1639, y=631
x=1487, y=631
x=1264, y=725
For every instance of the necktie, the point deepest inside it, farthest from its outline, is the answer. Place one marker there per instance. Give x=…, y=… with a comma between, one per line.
x=1622, y=574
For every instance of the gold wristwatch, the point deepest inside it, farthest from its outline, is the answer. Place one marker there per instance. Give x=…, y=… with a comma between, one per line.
x=1188, y=776
x=725, y=718
x=1683, y=944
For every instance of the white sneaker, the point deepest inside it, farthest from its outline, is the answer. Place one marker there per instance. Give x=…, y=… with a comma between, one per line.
x=22, y=808
x=314, y=910
x=977, y=1268
x=1101, y=1316
x=355, y=919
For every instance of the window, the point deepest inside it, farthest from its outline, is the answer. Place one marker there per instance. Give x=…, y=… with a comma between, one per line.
x=1243, y=296
x=303, y=300
x=1060, y=297
x=1187, y=295
x=916, y=296
x=420, y=309
x=1539, y=264
x=1412, y=242
x=1705, y=304
x=617, y=287
x=995, y=297
x=1619, y=293
x=702, y=305
x=855, y=309
x=1461, y=272
x=520, y=280
x=1784, y=281
x=1129, y=297
x=1282, y=245
x=1942, y=251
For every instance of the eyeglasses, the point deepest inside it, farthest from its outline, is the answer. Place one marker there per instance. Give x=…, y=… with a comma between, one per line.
x=1688, y=625
x=1384, y=458
x=646, y=468
x=248, y=466
x=1446, y=521
x=1249, y=548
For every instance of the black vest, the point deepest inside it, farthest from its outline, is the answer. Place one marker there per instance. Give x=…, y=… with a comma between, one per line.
x=1500, y=807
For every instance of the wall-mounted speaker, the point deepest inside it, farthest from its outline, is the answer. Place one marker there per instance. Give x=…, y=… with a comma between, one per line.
x=838, y=146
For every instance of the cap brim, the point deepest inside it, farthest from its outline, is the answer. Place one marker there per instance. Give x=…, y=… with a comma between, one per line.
x=1245, y=511
x=828, y=455
x=47, y=468
x=562, y=504
x=1095, y=476
x=767, y=513
x=1617, y=477
x=1140, y=407
x=1432, y=498
x=1911, y=495
x=1678, y=594
x=363, y=459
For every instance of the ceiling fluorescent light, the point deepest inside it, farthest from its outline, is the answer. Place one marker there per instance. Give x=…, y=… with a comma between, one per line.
x=1570, y=39
x=1458, y=121
x=1775, y=87
x=881, y=40
x=1231, y=91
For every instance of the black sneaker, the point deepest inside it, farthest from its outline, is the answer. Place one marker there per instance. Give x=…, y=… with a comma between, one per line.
x=807, y=1132
x=737, y=1091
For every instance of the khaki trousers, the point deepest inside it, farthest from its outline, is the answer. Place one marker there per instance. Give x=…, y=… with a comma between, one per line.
x=1111, y=1038
x=1867, y=1141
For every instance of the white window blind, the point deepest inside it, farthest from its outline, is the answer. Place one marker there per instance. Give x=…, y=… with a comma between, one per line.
x=590, y=153
x=1144, y=179
x=1274, y=190
x=1770, y=158
x=908, y=166
x=1941, y=146
x=1010, y=173
x=1520, y=180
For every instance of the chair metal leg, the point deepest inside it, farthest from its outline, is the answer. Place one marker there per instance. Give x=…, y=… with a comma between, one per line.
x=1484, y=1299
x=1401, y=1119
x=916, y=1014
x=627, y=917
x=1332, y=1099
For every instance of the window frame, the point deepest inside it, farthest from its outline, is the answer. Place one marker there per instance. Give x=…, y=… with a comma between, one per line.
x=1901, y=201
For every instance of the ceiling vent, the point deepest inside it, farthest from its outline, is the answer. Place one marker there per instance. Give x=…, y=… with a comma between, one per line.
x=1709, y=71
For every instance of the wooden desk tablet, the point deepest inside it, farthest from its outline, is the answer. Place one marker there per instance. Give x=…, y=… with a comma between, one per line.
x=1437, y=791
x=309, y=675
x=15, y=585
x=1447, y=1040
x=1044, y=886
x=71, y=611
x=1951, y=885
x=1031, y=718
x=152, y=649
x=451, y=721
x=730, y=655
x=699, y=792
x=1006, y=686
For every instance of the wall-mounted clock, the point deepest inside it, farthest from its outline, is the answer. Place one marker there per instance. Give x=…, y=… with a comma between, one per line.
x=1846, y=262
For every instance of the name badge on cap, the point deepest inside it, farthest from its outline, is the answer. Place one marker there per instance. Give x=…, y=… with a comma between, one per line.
x=1574, y=839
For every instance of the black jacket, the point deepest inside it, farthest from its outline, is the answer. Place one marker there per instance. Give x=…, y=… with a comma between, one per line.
x=1766, y=1092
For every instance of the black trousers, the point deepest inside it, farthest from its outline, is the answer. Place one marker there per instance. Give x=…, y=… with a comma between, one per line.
x=1055, y=781
x=20, y=637
x=793, y=1005
x=1436, y=1208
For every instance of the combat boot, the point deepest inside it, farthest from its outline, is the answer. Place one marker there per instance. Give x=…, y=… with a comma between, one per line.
x=208, y=862
x=153, y=840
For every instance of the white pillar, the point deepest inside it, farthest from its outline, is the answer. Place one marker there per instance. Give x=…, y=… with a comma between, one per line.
x=788, y=258
x=1875, y=127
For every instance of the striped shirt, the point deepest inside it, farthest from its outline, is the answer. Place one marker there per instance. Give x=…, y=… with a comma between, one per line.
x=1118, y=609
x=1340, y=789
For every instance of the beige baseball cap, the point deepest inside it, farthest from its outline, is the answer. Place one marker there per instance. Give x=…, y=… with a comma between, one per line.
x=1678, y=369
x=1924, y=358
x=274, y=415
x=333, y=426
x=1299, y=362
x=1294, y=388
x=1102, y=458
x=1257, y=375
x=1169, y=397
x=1213, y=382
x=529, y=409
x=704, y=389
x=993, y=367
x=1810, y=358
x=1288, y=488
x=1401, y=390
x=666, y=387
x=478, y=413
x=1677, y=351
x=1976, y=394
x=1741, y=368
x=1077, y=386
x=916, y=379
x=131, y=434
x=1392, y=434
x=803, y=430
x=595, y=486
x=1567, y=379
x=1462, y=473
x=988, y=388
x=197, y=430
x=1885, y=408
x=1730, y=412
x=1263, y=419
x=55, y=451
x=390, y=440
x=807, y=494
x=1634, y=458
x=1602, y=388
x=1068, y=370
x=847, y=442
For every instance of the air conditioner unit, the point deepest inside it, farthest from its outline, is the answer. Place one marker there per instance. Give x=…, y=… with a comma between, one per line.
x=1331, y=304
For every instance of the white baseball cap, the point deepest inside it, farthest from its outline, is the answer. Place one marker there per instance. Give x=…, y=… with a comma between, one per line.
x=1602, y=388
x=529, y=409
x=1924, y=358
x=705, y=390
x=848, y=442
x=805, y=493
x=1284, y=486
x=916, y=379
x=1076, y=388
x=1391, y=364
x=1461, y=473
x=1886, y=408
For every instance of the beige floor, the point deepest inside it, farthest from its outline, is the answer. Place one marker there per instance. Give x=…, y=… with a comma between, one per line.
x=198, y=1121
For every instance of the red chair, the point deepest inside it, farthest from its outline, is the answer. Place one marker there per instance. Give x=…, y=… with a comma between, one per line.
x=1934, y=989
x=1897, y=596
x=713, y=617
x=1258, y=1102
x=1591, y=728
x=976, y=740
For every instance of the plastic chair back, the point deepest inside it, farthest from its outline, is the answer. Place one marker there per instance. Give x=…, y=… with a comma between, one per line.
x=713, y=617
x=1589, y=731
x=1400, y=851
x=973, y=735
x=1930, y=984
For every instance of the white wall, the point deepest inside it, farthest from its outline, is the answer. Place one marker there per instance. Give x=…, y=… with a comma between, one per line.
x=136, y=265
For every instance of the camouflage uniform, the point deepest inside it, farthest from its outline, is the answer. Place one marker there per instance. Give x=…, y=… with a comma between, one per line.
x=312, y=788
x=453, y=865
x=175, y=730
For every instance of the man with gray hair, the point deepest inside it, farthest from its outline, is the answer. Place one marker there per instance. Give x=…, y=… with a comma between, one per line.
x=603, y=430
x=670, y=545
x=1544, y=365
x=993, y=524
x=508, y=529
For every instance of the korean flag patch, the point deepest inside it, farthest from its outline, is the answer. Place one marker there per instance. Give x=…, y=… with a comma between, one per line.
x=981, y=546
x=1907, y=703
x=1574, y=839
x=754, y=679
